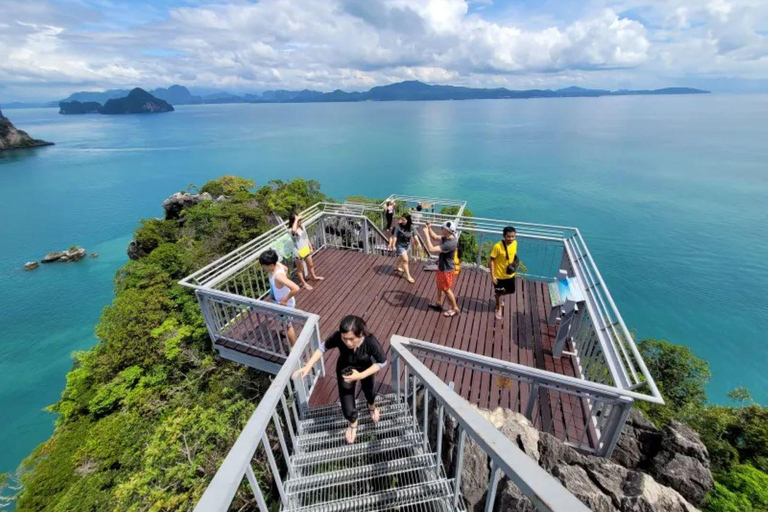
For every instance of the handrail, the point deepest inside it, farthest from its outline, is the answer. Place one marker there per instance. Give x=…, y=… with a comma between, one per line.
x=544, y=491
x=491, y=363
x=221, y=490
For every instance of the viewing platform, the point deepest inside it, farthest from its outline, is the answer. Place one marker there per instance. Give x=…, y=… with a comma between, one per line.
x=562, y=356
x=571, y=367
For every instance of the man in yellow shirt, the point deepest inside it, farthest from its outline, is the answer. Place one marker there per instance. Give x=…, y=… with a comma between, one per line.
x=503, y=267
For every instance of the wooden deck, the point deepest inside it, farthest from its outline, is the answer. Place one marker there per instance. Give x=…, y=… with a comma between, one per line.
x=365, y=285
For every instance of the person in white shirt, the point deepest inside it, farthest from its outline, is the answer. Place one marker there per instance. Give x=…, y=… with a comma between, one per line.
x=282, y=289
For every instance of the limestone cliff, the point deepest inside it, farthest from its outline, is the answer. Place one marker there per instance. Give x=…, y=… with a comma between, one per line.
x=12, y=138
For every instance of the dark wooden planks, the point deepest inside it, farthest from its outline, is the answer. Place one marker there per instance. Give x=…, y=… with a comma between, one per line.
x=366, y=285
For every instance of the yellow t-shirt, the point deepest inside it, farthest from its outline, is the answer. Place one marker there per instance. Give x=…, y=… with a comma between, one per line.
x=500, y=261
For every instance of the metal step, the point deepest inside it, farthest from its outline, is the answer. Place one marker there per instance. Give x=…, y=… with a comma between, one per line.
x=335, y=408
x=360, y=486
x=337, y=438
x=336, y=421
x=391, y=499
x=303, y=484
x=357, y=455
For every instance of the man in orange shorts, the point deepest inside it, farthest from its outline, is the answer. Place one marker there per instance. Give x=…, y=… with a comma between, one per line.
x=446, y=265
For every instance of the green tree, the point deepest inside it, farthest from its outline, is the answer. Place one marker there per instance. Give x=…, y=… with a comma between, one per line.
x=228, y=185
x=723, y=500
x=680, y=375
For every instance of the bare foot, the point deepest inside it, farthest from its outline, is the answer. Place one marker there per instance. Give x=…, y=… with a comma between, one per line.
x=308, y=286
x=375, y=414
x=318, y=278
x=351, y=434
x=411, y=280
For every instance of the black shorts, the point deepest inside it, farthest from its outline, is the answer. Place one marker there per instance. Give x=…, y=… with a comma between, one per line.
x=504, y=286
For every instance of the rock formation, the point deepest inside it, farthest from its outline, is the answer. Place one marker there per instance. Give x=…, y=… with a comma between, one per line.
x=671, y=477
x=13, y=138
x=138, y=101
x=73, y=254
x=31, y=265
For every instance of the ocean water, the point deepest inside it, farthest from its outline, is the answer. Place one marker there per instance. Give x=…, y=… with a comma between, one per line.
x=671, y=194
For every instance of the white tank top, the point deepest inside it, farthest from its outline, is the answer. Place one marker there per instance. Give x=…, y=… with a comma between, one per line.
x=283, y=291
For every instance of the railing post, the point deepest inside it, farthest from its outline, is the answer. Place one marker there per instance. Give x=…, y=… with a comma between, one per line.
x=321, y=225
x=459, y=465
x=395, y=376
x=426, y=418
x=256, y=489
x=366, y=248
x=493, y=484
x=531, y=401
x=620, y=412
x=301, y=395
x=440, y=420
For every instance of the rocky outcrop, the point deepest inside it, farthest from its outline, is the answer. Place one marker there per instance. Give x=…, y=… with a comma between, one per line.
x=31, y=265
x=13, y=138
x=674, y=456
x=138, y=101
x=73, y=254
x=182, y=200
x=603, y=485
x=683, y=463
x=173, y=207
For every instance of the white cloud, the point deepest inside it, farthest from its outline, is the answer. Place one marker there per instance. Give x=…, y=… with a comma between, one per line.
x=326, y=44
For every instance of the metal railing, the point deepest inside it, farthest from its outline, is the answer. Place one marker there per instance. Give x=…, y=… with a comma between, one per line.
x=274, y=422
x=542, y=489
x=602, y=345
x=590, y=416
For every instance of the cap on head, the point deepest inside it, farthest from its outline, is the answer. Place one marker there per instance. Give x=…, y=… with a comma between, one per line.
x=449, y=225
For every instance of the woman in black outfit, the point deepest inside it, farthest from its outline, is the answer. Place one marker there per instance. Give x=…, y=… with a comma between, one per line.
x=360, y=358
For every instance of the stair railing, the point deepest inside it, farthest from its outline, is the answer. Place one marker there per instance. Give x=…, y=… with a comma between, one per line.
x=541, y=488
x=274, y=423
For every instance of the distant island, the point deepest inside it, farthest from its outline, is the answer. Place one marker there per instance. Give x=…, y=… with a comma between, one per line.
x=401, y=91
x=137, y=101
x=13, y=138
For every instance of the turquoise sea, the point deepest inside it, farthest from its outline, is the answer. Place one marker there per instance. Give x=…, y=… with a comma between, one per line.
x=671, y=194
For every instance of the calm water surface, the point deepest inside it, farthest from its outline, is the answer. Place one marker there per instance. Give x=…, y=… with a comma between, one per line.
x=671, y=194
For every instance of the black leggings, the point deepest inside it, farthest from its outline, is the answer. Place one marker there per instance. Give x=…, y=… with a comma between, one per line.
x=347, y=395
x=390, y=217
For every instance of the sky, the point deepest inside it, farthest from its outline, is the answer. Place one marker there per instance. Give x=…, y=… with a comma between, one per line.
x=51, y=48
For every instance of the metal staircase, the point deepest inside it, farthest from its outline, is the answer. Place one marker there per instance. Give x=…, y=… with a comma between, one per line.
x=389, y=467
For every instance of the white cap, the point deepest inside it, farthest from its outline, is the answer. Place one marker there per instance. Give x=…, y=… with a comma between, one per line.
x=450, y=226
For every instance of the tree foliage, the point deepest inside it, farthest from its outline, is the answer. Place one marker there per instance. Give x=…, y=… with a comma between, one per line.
x=148, y=413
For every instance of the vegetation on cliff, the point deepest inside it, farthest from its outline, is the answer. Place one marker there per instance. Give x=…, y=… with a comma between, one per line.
x=736, y=436
x=150, y=412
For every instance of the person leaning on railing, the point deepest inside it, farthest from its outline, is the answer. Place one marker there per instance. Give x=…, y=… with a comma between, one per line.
x=361, y=356
x=503, y=265
x=281, y=288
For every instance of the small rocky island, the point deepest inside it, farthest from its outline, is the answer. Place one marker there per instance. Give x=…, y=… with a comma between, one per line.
x=138, y=101
x=13, y=138
x=74, y=253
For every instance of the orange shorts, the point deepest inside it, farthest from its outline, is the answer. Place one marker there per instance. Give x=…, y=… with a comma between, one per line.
x=445, y=280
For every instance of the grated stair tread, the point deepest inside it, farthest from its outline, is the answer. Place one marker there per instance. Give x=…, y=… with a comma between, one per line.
x=336, y=421
x=335, y=408
x=424, y=461
x=395, y=498
x=337, y=438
